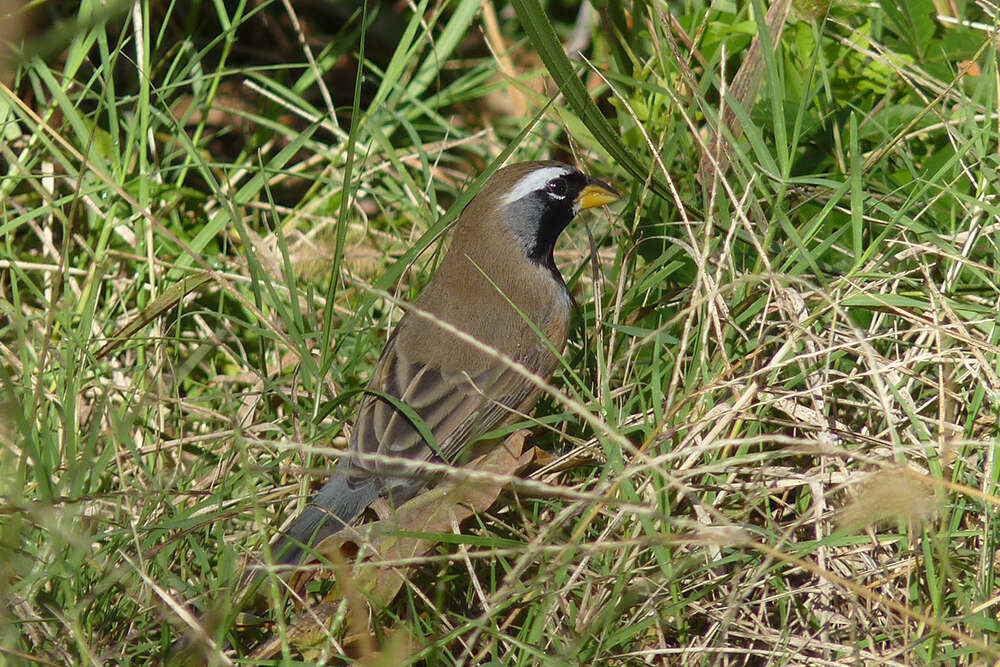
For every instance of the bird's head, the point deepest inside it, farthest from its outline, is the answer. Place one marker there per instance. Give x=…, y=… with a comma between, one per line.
x=535, y=201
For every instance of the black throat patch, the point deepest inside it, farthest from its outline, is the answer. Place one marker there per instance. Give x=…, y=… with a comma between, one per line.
x=552, y=222
x=554, y=208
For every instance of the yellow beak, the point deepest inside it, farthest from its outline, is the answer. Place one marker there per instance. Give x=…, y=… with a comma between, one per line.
x=596, y=193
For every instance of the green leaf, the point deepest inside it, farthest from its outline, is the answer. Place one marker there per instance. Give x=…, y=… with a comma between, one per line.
x=913, y=20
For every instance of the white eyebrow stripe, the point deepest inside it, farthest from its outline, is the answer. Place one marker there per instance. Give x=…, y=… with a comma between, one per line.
x=533, y=181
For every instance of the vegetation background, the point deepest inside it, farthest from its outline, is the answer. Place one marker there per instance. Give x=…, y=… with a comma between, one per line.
x=778, y=436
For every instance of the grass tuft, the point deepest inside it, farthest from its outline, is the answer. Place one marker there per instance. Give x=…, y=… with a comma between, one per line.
x=210, y=213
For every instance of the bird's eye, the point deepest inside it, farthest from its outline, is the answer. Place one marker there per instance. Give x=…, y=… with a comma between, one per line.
x=557, y=188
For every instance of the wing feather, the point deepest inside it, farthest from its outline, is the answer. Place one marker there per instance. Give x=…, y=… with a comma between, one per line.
x=455, y=408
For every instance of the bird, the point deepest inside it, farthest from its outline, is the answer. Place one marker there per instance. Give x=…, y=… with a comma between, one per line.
x=498, y=282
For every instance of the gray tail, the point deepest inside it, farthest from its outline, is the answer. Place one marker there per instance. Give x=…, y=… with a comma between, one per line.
x=334, y=507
